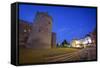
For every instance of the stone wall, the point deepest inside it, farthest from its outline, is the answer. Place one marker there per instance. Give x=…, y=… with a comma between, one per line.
x=24, y=31
x=40, y=36
x=53, y=40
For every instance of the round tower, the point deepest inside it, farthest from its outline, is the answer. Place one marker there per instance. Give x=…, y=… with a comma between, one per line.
x=40, y=36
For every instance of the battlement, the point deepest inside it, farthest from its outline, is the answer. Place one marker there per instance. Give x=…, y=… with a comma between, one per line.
x=44, y=14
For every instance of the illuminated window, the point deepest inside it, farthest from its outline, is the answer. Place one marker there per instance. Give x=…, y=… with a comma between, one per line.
x=25, y=30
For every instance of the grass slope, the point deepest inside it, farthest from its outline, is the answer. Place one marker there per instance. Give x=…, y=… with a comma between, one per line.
x=37, y=56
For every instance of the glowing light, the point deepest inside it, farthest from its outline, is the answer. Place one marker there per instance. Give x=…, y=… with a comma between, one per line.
x=24, y=30
x=77, y=42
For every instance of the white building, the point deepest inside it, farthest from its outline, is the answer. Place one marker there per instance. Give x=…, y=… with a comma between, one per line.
x=82, y=43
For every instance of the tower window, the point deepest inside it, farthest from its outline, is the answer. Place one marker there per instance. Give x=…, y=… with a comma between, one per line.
x=49, y=22
x=39, y=30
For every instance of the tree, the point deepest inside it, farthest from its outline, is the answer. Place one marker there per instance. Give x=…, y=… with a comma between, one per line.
x=57, y=45
x=65, y=43
x=62, y=43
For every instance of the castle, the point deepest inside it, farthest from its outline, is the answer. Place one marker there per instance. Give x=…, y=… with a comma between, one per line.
x=37, y=35
x=87, y=41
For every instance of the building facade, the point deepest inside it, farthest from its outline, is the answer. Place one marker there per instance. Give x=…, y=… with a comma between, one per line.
x=82, y=43
x=24, y=31
x=37, y=35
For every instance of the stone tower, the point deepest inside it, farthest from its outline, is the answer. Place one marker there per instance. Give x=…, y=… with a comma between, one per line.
x=40, y=35
x=53, y=40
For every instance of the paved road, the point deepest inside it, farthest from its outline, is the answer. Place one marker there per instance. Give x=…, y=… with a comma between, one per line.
x=83, y=54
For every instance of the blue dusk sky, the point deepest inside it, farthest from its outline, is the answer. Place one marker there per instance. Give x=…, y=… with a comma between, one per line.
x=68, y=22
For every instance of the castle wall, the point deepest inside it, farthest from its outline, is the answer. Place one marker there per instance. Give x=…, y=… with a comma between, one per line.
x=53, y=40
x=40, y=36
x=24, y=30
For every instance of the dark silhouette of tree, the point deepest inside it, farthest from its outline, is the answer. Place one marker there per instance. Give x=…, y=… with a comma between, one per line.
x=57, y=45
x=64, y=43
